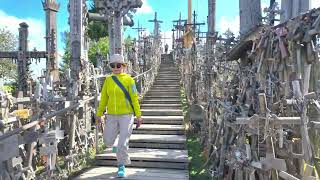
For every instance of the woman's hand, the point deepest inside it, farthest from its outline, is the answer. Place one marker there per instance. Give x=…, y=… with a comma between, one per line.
x=139, y=122
x=98, y=120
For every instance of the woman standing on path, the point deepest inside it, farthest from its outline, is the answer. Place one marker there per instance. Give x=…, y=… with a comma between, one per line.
x=119, y=97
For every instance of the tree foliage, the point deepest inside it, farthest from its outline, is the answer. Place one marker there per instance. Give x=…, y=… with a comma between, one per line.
x=102, y=47
x=8, y=42
x=67, y=51
x=96, y=30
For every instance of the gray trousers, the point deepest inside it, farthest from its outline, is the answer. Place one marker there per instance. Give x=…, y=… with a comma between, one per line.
x=121, y=125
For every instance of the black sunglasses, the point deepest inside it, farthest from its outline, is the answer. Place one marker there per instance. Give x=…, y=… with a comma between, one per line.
x=113, y=65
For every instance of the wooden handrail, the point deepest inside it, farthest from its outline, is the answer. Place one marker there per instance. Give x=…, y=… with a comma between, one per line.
x=37, y=119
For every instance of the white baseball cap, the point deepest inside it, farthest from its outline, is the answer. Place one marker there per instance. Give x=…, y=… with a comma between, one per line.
x=116, y=58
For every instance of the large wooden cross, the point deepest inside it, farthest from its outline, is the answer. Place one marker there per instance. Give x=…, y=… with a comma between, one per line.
x=23, y=57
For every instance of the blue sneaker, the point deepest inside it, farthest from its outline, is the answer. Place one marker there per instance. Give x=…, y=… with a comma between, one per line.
x=121, y=171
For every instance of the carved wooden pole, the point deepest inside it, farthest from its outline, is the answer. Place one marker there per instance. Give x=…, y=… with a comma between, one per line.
x=118, y=34
x=23, y=64
x=111, y=38
x=250, y=15
x=211, y=22
x=292, y=8
x=51, y=8
x=78, y=57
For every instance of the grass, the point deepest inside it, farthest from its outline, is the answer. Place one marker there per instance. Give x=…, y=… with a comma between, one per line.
x=195, y=156
x=197, y=160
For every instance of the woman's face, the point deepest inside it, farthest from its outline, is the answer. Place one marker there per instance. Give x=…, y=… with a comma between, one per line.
x=117, y=68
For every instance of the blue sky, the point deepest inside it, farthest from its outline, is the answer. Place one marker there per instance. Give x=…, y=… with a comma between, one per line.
x=13, y=12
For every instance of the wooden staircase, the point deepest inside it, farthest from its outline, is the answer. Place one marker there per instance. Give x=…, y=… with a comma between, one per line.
x=158, y=147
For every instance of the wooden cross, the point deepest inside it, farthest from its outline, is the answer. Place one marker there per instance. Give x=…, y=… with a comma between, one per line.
x=23, y=57
x=139, y=29
x=156, y=25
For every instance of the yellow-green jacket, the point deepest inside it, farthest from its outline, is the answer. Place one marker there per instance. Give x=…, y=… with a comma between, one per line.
x=113, y=98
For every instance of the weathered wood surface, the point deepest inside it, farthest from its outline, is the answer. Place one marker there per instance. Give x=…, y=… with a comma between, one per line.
x=142, y=154
x=160, y=127
x=160, y=106
x=135, y=174
x=250, y=15
x=158, y=138
x=165, y=112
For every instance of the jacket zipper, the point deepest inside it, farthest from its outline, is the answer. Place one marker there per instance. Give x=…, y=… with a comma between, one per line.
x=115, y=100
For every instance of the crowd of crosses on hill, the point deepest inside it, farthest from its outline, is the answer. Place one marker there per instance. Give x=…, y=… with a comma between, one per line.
x=254, y=99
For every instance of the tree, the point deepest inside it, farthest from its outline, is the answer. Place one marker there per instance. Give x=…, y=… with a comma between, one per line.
x=67, y=51
x=128, y=42
x=8, y=41
x=96, y=30
x=102, y=47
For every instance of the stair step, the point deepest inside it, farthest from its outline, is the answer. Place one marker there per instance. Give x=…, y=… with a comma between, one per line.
x=161, y=155
x=161, y=101
x=155, y=91
x=162, y=119
x=167, y=96
x=164, y=129
x=161, y=112
x=160, y=106
x=157, y=138
x=144, y=164
x=157, y=146
x=168, y=79
x=134, y=173
x=168, y=76
x=165, y=90
x=160, y=83
x=166, y=86
x=173, y=71
x=169, y=72
x=140, y=157
x=162, y=132
x=168, y=68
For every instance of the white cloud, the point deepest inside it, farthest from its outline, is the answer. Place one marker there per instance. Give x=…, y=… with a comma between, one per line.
x=36, y=34
x=145, y=9
x=230, y=23
x=315, y=3
x=36, y=29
